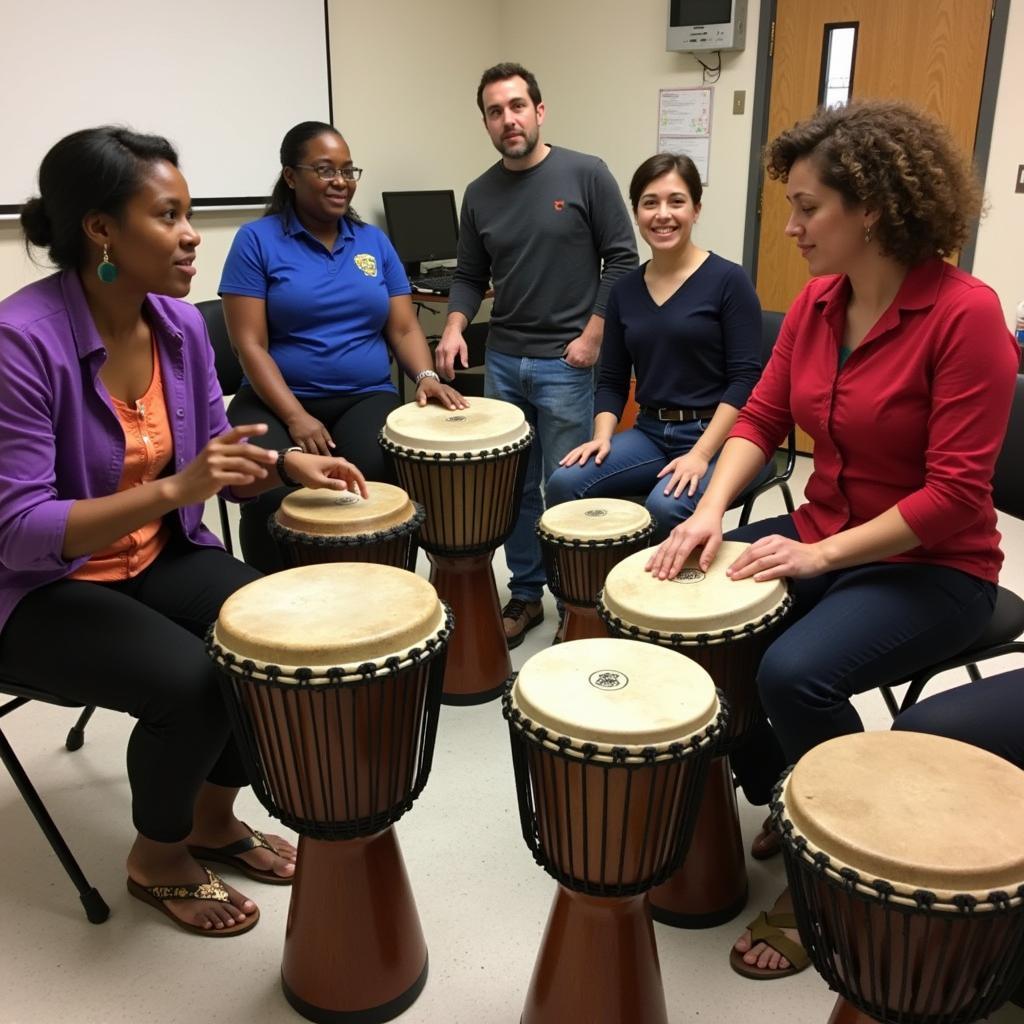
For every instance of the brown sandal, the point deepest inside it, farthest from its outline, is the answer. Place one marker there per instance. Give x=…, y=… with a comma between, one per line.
x=767, y=928
x=230, y=856
x=212, y=890
x=767, y=843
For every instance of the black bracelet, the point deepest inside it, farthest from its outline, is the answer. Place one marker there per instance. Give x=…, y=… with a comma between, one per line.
x=282, y=473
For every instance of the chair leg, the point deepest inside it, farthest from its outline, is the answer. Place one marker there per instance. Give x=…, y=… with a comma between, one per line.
x=225, y=526
x=76, y=734
x=974, y=672
x=96, y=910
x=748, y=507
x=787, y=497
x=890, y=700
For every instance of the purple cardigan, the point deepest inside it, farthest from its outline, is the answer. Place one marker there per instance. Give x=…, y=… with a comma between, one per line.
x=60, y=438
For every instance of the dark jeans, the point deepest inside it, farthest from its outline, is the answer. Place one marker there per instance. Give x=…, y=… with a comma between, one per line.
x=851, y=631
x=987, y=714
x=354, y=421
x=138, y=647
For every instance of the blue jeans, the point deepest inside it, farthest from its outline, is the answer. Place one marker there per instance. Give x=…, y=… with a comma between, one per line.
x=988, y=713
x=558, y=402
x=637, y=456
x=850, y=631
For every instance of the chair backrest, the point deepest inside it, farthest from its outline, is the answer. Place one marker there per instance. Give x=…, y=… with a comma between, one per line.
x=770, y=325
x=1008, y=480
x=229, y=370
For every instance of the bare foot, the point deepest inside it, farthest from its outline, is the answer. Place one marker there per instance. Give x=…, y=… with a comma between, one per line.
x=760, y=954
x=280, y=859
x=152, y=863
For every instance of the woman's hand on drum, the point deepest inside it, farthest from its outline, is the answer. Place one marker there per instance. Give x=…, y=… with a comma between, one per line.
x=430, y=390
x=702, y=529
x=310, y=434
x=775, y=556
x=327, y=471
x=226, y=461
x=597, y=448
x=687, y=472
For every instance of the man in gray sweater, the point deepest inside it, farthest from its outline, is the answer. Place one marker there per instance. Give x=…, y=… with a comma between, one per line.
x=551, y=230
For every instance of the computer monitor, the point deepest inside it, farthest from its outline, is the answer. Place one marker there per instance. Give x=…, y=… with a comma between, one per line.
x=422, y=226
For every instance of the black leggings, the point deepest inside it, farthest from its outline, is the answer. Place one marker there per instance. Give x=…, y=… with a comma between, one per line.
x=354, y=421
x=138, y=647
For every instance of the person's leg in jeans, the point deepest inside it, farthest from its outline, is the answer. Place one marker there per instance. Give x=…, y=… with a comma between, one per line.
x=988, y=713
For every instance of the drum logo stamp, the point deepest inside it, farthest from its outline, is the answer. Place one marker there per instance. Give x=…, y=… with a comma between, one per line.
x=346, y=499
x=688, y=576
x=367, y=264
x=596, y=513
x=455, y=419
x=609, y=679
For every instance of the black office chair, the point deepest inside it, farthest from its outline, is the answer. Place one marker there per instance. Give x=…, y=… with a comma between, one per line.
x=96, y=910
x=785, y=458
x=470, y=382
x=229, y=374
x=1002, y=633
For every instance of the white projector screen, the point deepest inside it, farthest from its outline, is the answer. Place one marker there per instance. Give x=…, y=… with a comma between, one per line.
x=222, y=79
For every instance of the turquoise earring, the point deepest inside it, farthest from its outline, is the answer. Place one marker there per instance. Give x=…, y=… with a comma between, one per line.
x=107, y=271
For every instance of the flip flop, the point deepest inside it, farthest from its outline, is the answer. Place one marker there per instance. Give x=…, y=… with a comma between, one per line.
x=767, y=928
x=230, y=856
x=212, y=890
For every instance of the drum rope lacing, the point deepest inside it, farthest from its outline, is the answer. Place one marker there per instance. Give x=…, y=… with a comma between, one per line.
x=575, y=542
x=287, y=533
x=702, y=639
x=367, y=671
x=482, y=455
x=710, y=737
x=854, y=883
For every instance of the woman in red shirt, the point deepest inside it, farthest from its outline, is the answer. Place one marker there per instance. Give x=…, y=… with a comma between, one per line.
x=901, y=368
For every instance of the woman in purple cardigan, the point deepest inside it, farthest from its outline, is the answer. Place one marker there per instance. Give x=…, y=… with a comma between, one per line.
x=114, y=436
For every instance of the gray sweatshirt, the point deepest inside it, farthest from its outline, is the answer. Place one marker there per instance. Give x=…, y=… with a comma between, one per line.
x=553, y=239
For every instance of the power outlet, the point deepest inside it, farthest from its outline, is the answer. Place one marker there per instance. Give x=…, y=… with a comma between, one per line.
x=739, y=101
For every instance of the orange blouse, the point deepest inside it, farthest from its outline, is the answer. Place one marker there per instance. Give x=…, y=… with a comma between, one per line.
x=148, y=448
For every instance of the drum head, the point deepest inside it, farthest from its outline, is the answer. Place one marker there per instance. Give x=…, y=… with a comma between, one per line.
x=595, y=519
x=694, y=602
x=345, y=513
x=336, y=615
x=486, y=424
x=919, y=811
x=616, y=693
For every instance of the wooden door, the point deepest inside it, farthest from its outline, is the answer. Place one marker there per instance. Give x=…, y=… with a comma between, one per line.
x=928, y=52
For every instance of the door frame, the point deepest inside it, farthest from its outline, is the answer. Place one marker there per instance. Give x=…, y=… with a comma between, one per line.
x=762, y=101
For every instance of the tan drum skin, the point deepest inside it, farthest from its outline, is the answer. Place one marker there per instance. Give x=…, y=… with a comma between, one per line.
x=610, y=741
x=594, y=519
x=345, y=513
x=487, y=424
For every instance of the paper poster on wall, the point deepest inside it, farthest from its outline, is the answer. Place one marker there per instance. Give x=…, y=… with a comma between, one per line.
x=684, y=125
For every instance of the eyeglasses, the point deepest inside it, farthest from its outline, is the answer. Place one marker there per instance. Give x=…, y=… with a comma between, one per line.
x=327, y=173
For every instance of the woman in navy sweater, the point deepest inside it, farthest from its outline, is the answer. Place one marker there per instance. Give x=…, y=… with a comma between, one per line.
x=688, y=324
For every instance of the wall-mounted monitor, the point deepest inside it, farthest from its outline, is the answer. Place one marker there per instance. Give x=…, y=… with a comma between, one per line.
x=706, y=25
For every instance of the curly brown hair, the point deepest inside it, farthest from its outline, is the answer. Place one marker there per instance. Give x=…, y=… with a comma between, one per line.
x=892, y=158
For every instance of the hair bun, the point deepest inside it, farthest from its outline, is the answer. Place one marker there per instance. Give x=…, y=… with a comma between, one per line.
x=36, y=224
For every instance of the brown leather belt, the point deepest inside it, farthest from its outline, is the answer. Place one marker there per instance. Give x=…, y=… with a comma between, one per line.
x=677, y=415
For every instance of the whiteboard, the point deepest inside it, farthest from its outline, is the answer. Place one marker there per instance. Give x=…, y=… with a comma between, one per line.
x=222, y=79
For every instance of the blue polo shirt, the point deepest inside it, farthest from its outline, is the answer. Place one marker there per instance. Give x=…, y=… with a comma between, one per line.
x=326, y=310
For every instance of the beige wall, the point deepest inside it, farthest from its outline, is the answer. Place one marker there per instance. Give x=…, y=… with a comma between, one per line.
x=405, y=99
x=1001, y=235
x=600, y=67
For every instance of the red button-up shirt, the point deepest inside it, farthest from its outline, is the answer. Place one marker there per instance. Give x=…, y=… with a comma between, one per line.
x=915, y=417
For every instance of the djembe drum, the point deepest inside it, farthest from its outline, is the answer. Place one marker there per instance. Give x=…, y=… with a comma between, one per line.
x=905, y=859
x=726, y=626
x=611, y=741
x=580, y=542
x=332, y=675
x=314, y=526
x=467, y=469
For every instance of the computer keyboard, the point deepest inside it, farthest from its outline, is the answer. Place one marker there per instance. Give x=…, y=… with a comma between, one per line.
x=436, y=282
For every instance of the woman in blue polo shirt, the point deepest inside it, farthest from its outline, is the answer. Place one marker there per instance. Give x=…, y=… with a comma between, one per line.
x=314, y=299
